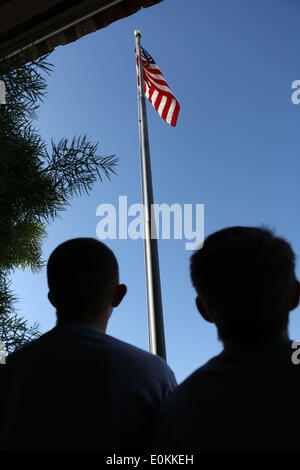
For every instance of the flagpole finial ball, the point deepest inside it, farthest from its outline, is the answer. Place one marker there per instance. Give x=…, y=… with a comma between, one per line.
x=137, y=32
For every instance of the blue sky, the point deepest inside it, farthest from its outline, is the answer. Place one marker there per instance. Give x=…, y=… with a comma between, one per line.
x=235, y=149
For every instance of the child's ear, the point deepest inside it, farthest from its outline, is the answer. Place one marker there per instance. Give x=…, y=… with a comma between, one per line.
x=202, y=310
x=296, y=297
x=51, y=299
x=119, y=294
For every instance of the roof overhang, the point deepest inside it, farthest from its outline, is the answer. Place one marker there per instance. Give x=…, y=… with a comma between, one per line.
x=44, y=25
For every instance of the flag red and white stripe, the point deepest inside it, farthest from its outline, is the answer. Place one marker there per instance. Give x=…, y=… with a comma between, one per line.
x=157, y=91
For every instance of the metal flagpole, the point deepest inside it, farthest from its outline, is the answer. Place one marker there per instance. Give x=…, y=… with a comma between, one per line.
x=152, y=263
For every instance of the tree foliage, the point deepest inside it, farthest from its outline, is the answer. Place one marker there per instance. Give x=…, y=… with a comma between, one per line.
x=36, y=183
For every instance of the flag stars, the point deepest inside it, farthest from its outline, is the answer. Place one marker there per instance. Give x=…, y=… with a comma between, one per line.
x=157, y=90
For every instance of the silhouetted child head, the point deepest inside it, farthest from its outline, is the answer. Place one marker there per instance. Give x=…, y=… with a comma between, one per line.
x=246, y=284
x=83, y=279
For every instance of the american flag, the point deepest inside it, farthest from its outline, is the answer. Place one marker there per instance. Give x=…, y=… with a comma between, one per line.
x=157, y=90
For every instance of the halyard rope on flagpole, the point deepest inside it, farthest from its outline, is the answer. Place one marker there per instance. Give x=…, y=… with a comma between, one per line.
x=143, y=201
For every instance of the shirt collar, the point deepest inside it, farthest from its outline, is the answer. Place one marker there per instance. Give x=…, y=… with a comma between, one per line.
x=79, y=326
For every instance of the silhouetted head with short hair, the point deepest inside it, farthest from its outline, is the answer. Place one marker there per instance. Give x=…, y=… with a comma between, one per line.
x=246, y=284
x=83, y=279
